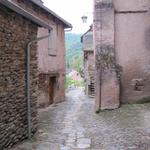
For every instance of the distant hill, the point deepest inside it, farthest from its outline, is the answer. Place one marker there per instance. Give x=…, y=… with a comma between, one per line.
x=74, y=53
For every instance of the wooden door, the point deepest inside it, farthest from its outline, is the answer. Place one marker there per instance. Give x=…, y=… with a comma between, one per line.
x=52, y=85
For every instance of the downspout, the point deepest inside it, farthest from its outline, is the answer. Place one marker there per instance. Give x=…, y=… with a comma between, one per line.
x=101, y=65
x=28, y=81
x=68, y=30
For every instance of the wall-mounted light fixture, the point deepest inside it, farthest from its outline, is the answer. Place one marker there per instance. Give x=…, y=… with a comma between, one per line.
x=84, y=18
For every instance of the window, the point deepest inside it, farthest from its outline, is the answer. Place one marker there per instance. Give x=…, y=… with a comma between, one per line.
x=52, y=42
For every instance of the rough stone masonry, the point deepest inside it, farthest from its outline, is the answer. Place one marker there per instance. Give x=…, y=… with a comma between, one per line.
x=121, y=34
x=107, y=85
x=15, y=33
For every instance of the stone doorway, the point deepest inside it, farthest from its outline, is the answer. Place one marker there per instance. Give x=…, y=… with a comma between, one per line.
x=52, y=87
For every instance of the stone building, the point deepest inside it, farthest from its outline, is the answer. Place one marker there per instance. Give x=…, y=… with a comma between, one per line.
x=19, y=24
x=89, y=69
x=51, y=62
x=122, y=50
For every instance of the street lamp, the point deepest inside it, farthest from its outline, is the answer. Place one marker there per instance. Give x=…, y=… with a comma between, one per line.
x=84, y=19
x=87, y=20
x=87, y=16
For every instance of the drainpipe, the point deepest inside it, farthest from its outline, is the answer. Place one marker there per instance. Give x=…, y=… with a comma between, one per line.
x=101, y=65
x=28, y=81
x=68, y=30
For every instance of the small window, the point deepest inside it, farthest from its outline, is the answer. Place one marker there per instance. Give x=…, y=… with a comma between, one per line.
x=52, y=42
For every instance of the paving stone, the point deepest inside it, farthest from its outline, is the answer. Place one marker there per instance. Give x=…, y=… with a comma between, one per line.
x=122, y=129
x=82, y=146
x=84, y=141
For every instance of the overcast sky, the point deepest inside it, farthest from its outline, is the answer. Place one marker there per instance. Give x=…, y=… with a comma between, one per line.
x=72, y=11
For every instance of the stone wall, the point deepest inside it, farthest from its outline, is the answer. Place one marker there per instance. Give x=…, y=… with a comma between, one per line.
x=89, y=66
x=107, y=81
x=89, y=73
x=15, y=33
x=122, y=50
x=132, y=46
x=44, y=98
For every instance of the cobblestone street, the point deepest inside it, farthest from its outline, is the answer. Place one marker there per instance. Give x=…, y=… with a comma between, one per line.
x=73, y=125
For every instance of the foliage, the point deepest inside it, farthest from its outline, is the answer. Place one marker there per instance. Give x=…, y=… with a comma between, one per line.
x=74, y=53
x=70, y=82
x=76, y=63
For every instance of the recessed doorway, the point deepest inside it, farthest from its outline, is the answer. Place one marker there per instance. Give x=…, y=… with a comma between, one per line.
x=52, y=88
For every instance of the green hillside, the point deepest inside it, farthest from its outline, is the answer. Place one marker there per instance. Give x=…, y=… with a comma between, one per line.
x=74, y=53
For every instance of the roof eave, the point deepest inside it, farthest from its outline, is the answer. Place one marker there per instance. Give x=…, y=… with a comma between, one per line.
x=11, y=5
x=66, y=24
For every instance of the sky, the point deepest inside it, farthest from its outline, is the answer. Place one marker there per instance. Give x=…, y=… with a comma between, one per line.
x=72, y=11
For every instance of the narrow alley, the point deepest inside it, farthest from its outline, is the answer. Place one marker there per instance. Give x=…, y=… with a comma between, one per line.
x=73, y=125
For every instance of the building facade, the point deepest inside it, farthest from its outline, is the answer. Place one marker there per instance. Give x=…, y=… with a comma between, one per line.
x=121, y=35
x=51, y=65
x=89, y=66
x=19, y=28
